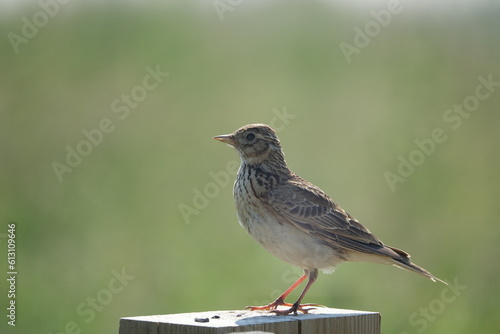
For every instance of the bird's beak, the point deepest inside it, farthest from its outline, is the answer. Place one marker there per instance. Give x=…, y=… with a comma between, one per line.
x=228, y=139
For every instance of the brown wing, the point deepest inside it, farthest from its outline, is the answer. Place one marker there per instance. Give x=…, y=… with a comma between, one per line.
x=311, y=210
x=308, y=208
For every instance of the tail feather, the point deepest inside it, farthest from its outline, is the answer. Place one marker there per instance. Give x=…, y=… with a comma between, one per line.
x=403, y=261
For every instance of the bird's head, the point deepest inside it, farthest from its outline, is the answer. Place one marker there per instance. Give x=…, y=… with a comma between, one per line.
x=254, y=142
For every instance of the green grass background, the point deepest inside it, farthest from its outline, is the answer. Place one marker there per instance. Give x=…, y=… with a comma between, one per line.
x=120, y=207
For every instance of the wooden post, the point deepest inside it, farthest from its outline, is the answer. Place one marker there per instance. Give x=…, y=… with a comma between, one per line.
x=317, y=321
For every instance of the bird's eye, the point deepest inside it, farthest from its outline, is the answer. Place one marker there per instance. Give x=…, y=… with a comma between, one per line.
x=250, y=136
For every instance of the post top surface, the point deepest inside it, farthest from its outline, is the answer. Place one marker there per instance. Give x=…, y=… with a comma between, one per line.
x=243, y=317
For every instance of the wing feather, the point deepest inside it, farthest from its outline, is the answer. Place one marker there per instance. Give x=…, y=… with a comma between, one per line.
x=308, y=208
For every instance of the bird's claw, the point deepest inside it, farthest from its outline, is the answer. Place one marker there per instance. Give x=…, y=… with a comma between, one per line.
x=294, y=308
x=269, y=307
x=297, y=308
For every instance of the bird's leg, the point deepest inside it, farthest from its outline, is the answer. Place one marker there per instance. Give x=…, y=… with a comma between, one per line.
x=313, y=275
x=281, y=299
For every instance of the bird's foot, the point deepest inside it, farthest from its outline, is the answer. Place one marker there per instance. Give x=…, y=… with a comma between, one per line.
x=294, y=308
x=297, y=308
x=269, y=307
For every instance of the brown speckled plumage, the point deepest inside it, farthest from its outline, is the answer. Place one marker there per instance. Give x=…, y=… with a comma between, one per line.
x=295, y=220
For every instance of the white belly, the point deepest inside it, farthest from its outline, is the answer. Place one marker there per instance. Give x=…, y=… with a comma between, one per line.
x=286, y=241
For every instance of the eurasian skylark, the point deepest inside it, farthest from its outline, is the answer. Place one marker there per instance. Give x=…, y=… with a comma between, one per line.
x=295, y=220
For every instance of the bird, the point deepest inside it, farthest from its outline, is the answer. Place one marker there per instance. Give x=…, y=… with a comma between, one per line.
x=295, y=220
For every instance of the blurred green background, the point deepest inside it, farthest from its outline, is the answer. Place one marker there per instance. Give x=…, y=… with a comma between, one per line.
x=132, y=205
